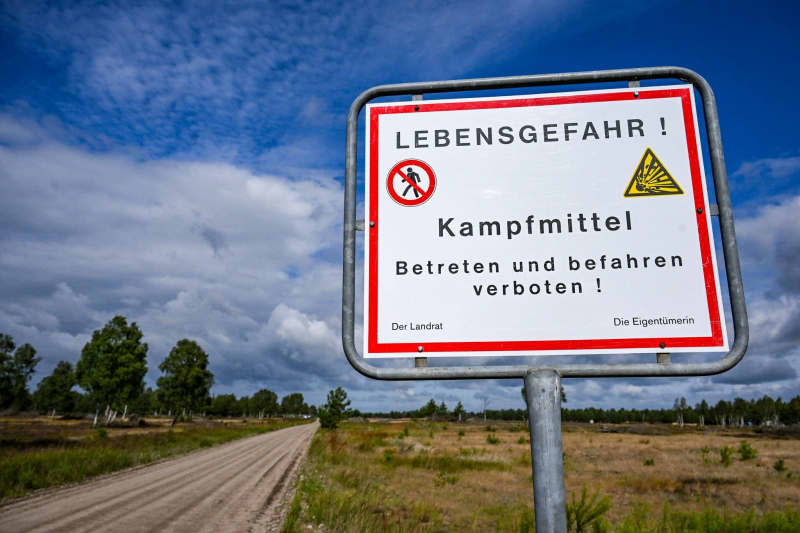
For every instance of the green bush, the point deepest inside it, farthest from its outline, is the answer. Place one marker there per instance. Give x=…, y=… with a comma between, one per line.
x=587, y=511
x=779, y=466
x=491, y=439
x=704, y=451
x=725, y=456
x=649, y=461
x=746, y=451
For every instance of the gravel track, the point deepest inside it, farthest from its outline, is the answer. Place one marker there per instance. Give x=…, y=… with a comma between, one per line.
x=236, y=487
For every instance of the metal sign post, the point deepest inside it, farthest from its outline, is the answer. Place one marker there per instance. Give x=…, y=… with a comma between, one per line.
x=543, y=395
x=416, y=184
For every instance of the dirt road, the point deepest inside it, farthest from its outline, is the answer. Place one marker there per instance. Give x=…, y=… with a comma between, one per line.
x=239, y=486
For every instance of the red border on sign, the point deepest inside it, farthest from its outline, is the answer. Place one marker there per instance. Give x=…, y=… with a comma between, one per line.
x=545, y=345
x=425, y=194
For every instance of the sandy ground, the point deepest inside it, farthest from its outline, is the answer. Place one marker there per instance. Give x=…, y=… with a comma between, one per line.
x=241, y=486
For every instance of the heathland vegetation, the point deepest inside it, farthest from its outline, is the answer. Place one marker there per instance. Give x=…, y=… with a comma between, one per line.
x=423, y=475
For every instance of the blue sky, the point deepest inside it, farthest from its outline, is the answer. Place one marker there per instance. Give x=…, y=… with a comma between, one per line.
x=182, y=164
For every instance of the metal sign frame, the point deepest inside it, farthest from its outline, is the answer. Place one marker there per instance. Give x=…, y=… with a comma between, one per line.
x=662, y=368
x=543, y=382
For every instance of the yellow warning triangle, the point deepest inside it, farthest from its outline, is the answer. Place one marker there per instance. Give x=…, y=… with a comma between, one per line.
x=651, y=178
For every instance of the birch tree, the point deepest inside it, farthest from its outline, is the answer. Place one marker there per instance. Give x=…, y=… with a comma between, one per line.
x=113, y=365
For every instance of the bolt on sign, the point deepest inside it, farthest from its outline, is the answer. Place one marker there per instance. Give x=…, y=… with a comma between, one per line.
x=544, y=224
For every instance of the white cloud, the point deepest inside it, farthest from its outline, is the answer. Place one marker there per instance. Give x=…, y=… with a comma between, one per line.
x=208, y=251
x=770, y=167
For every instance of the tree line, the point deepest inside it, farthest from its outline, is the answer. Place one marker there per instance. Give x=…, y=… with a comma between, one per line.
x=764, y=411
x=111, y=372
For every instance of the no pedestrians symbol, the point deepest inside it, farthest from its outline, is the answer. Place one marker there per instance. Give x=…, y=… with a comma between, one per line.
x=411, y=182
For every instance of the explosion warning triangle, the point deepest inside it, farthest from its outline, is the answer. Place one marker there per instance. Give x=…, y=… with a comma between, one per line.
x=651, y=178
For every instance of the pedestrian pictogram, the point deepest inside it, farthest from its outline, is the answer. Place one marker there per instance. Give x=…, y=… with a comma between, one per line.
x=411, y=182
x=651, y=178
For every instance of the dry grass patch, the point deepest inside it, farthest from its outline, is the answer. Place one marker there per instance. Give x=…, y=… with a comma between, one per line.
x=423, y=476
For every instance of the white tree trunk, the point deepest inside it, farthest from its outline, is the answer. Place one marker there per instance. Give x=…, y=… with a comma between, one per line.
x=94, y=423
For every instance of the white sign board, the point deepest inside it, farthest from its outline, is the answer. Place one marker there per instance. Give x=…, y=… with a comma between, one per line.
x=545, y=224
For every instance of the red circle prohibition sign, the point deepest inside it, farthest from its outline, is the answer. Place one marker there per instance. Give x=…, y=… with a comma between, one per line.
x=407, y=190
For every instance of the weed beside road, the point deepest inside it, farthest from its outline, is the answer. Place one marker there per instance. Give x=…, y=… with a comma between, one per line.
x=36, y=454
x=424, y=476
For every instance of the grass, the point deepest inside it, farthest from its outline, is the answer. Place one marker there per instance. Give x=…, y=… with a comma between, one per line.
x=643, y=520
x=29, y=462
x=460, y=482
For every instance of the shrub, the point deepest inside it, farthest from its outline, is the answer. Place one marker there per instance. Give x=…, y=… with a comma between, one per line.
x=461, y=433
x=334, y=410
x=102, y=433
x=521, y=440
x=649, y=462
x=491, y=428
x=491, y=439
x=704, y=451
x=725, y=456
x=587, y=511
x=746, y=451
x=779, y=466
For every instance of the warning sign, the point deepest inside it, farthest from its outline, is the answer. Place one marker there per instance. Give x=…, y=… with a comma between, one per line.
x=520, y=242
x=652, y=178
x=411, y=182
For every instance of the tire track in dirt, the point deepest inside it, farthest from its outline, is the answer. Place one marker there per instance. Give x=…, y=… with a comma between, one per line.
x=232, y=487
